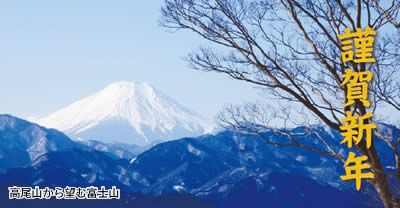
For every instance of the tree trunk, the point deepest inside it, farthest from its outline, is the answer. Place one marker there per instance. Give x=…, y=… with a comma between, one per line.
x=380, y=180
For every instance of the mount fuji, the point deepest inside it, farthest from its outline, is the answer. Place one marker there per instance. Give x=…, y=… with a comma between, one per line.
x=127, y=112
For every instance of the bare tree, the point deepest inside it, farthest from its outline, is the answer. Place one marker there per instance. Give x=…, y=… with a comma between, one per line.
x=291, y=49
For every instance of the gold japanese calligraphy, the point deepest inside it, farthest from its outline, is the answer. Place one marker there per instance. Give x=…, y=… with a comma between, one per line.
x=357, y=47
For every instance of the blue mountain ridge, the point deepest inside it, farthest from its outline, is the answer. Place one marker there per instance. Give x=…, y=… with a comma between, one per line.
x=227, y=169
x=116, y=150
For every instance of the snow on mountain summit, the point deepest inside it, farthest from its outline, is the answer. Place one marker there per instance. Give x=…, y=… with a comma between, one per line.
x=127, y=112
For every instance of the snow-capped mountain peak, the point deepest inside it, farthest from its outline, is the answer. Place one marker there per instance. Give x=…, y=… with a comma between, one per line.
x=128, y=112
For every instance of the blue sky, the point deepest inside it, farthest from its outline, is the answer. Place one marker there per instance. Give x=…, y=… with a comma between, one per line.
x=53, y=53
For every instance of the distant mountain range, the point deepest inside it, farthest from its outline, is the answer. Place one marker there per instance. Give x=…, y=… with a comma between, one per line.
x=223, y=170
x=127, y=112
x=22, y=142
